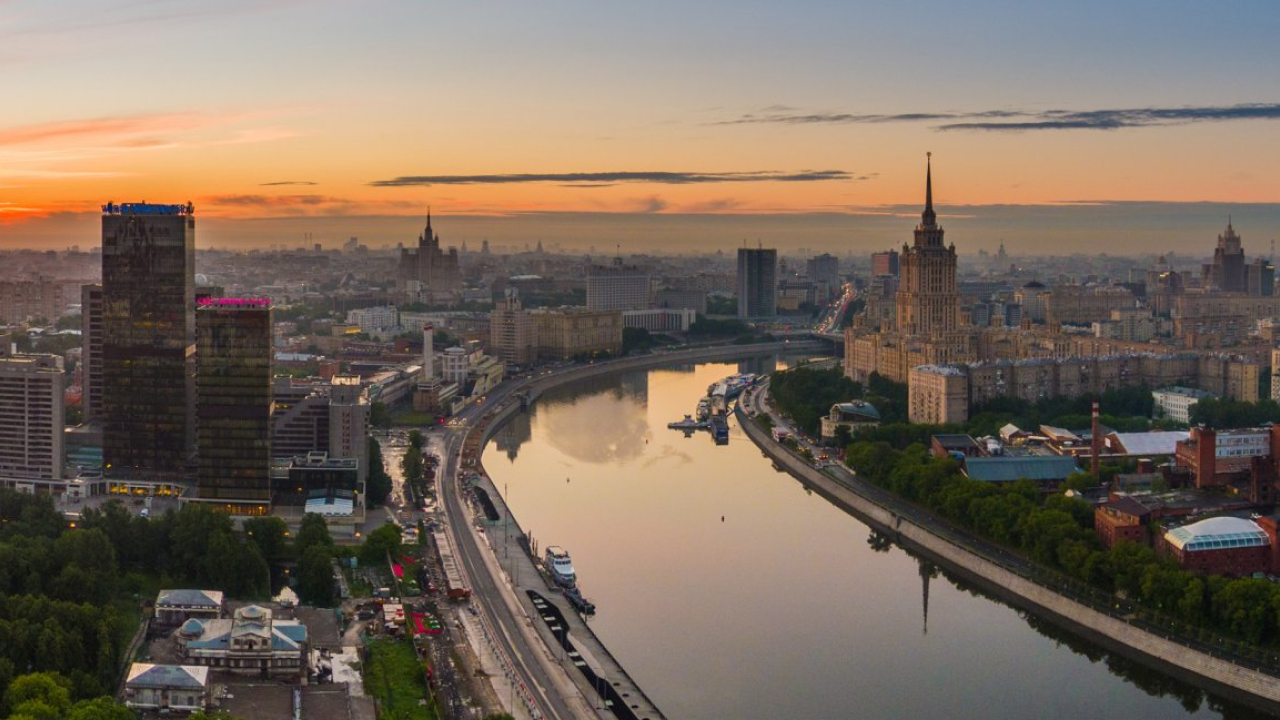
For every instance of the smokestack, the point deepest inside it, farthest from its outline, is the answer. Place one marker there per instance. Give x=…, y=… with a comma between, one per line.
x=428, y=352
x=1095, y=441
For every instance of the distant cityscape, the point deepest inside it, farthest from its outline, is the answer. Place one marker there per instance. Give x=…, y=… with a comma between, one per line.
x=256, y=384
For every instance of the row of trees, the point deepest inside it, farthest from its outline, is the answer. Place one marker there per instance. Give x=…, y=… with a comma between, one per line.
x=806, y=395
x=378, y=485
x=414, y=465
x=69, y=593
x=1123, y=409
x=1222, y=414
x=1057, y=531
x=59, y=609
x=51, y=696
x=194, y=545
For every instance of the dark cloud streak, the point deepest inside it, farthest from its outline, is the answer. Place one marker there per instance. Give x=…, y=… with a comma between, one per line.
x=287, y=182
x=1021, y=121
x=604, y=179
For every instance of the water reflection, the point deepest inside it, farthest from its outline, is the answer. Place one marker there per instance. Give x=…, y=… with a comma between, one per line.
x=605, y=426
x=787, y=607
x=517, y=431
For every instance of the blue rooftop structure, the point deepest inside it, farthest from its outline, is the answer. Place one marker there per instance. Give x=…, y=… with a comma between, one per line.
x=1218, y=534
x=1037, y=468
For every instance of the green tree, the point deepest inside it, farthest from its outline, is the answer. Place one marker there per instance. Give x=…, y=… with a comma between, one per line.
x=379, y=415
x=270, y=535
x=313, y=531
x=315, y=577
x=38, y=693
x=379, y=483
x=379, y=543
x=103, y=708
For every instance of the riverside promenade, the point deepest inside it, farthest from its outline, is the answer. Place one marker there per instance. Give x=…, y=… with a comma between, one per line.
x=510, y=570
x=1009, y=577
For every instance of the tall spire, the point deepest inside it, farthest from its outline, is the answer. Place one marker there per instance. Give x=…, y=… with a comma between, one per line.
x=928, y=216
x=429, y=221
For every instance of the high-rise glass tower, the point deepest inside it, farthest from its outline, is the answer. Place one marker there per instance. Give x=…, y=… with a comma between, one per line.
x=757, y=282
x=233, y=403
x=148, y=340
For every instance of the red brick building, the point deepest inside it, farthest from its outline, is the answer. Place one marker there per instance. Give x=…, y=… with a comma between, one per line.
x=1121, y=519
x=1243, y=459
x=1219, y=546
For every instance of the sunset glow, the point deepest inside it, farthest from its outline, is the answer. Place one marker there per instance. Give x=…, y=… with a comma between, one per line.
x=332, y=109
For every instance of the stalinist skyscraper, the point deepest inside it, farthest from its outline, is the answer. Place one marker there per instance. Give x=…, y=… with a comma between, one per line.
x=928, y=301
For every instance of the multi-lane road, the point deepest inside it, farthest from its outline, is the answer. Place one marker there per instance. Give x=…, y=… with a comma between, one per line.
x=549, y=688
x=529, y=661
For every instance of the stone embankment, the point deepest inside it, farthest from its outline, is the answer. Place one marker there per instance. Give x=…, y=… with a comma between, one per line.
x=638, y=704
x=909, y=526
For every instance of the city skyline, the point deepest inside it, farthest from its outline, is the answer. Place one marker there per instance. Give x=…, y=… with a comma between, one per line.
x=1090, y=124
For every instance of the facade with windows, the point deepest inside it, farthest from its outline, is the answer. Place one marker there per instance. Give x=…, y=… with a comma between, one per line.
x=618, y=287
x=757, y=282
x=1219, y=546
x=1216, y=459
x=1175, y=402
x=148, y=340
x=251, y=642
x=234, y=404
x=91, y=351
x=31, y=420
x=167, y=688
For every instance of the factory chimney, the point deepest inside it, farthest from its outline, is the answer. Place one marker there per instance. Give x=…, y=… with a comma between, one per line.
x=428, y=352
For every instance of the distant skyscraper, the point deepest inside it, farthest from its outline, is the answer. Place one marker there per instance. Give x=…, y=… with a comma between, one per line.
x=91, y=351
x=349, y=422
x=1261, y=278
x=884, y=263
x=1227, y=272
x=31, y=417
x=234, y=403
x=928, y=300
x=512, y=336
x=617, y=287
x=757, y=282
x=148, y=340
x=429, y=267
x=824, y=269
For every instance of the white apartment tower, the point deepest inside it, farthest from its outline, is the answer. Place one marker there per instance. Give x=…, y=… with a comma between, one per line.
x=31, y=416
x=617, y=287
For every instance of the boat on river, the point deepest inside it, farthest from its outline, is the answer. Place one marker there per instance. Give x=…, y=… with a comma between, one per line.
x=560, y=566
x=688, y=423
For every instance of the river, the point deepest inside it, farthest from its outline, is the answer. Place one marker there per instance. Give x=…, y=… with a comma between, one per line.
x=729, y=591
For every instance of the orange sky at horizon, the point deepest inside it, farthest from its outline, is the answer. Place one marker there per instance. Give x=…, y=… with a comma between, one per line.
x=296, y=109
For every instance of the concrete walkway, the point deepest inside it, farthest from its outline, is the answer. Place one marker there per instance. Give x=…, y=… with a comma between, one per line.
x=875, y=507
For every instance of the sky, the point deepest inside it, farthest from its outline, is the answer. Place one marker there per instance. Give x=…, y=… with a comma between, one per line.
x=1121, y=126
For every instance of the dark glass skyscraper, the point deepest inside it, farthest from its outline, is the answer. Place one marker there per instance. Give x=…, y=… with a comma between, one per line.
x=148, y=343
x=233, y=403
x=757, y=283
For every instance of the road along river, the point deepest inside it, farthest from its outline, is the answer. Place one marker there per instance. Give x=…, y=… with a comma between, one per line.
x=727, y=590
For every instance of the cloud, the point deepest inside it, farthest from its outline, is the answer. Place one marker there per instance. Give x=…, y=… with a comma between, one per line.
x=652, y=204
x=287, y=182
x=597, y=179
x=1027, y=120
x=249, y=200
x=97, y=127
x=712, y=206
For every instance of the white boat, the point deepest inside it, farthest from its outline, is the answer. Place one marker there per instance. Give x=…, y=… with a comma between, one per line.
x=560, y=566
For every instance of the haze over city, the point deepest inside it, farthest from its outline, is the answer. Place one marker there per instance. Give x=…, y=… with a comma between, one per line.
x=1083, y=127
x=409, y=360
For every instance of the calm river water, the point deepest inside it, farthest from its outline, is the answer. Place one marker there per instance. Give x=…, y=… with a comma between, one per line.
x=782, y=609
